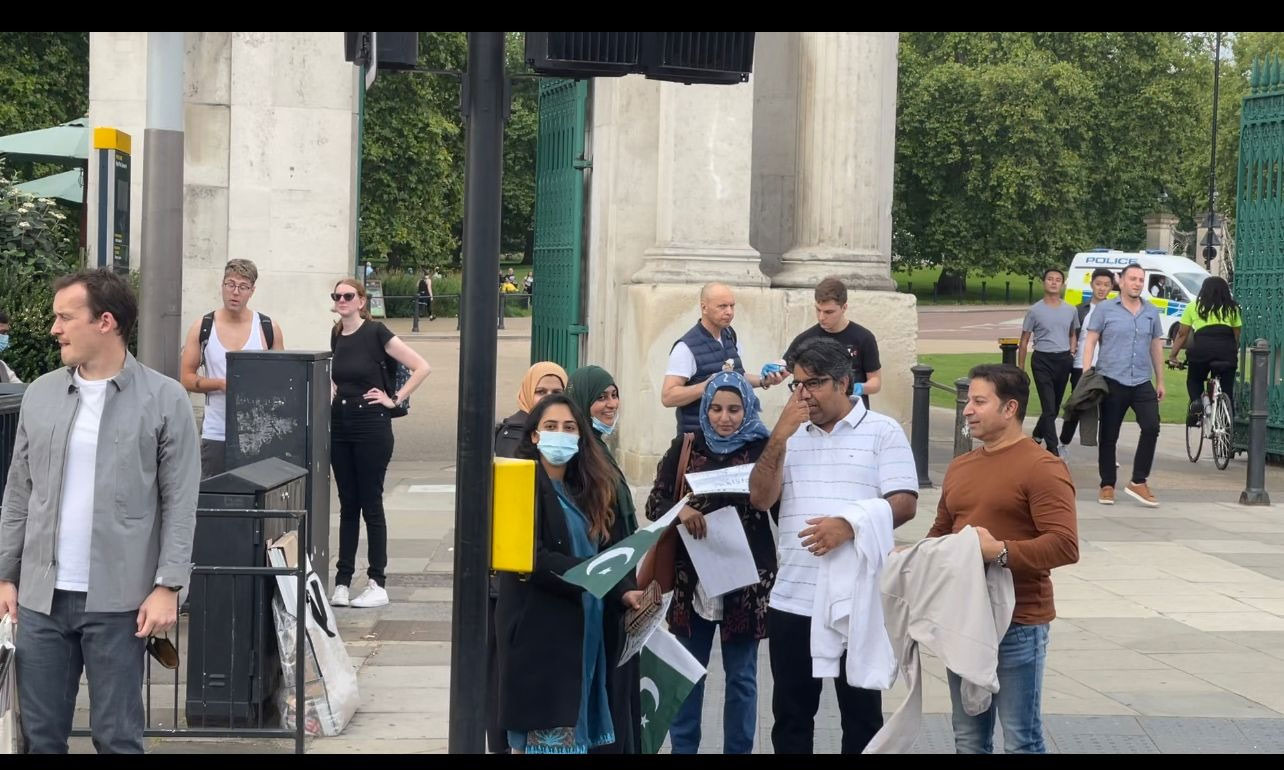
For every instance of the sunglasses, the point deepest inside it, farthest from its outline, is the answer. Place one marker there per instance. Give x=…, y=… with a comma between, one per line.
x=163, y=650
x=347, y=296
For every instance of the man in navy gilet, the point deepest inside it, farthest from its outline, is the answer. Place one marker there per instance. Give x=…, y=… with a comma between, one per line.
x=701, y=353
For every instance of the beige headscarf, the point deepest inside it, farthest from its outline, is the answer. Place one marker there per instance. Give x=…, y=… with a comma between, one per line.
x=526, y=393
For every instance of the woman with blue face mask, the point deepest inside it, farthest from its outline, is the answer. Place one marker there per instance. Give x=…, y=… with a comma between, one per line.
x=595, y=393
x=7, y=375
x=730, y=434
x=554, y=662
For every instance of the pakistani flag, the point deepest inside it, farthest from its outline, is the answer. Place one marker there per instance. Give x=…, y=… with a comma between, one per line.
x=599, y=574
x=668, y=674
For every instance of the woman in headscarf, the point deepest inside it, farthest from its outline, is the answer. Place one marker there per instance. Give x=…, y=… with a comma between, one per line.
x=543, y=379
x=730, y=434
x=594, y=392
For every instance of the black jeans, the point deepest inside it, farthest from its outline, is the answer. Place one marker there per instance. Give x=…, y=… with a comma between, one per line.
x=1050, y=372
x=1070, y=424
x=1144, y=403
x=360, y=448
x=795, y=695
x=1197, y=372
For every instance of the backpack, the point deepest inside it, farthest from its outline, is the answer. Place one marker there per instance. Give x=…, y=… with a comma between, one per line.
x=207, y=326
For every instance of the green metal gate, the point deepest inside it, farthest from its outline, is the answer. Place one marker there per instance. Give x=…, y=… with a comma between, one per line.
x=1259, y=243
x=558, y=322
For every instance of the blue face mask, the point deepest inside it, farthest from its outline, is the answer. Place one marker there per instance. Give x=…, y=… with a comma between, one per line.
x=602, y=427
x=558, y=448
x=4, y=342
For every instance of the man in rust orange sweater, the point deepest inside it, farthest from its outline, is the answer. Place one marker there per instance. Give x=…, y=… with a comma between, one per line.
x=1021, y=501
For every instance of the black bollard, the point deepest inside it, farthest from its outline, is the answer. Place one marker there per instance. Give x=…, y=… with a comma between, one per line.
x=919, y=425
x=962, y=437
x=1255, y=489
x=1008, y=348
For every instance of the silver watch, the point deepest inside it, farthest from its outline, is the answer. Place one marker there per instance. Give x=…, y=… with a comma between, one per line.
x=1002, y=558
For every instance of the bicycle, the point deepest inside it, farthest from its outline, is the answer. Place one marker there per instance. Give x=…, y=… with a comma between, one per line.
x=1217, y=428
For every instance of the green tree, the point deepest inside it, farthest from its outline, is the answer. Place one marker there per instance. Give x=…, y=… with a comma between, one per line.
x=44, y=79
x=35, y=247
x=413, y=160
x=519, y=150
x=1014, y=150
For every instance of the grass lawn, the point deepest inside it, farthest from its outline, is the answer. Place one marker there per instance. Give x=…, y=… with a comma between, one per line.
x=950, y=366
x=920, y=281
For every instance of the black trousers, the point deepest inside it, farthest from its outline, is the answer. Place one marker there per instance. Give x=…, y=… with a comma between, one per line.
x=360, y=448
x=1197, y=372
x=795, y=696
x=1070, y=424
x=1144, y=402
x=1050, y=372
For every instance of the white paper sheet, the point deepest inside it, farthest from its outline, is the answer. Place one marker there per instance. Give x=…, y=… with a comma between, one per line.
x=722, y=559
x=637, y=641
x=725, y=481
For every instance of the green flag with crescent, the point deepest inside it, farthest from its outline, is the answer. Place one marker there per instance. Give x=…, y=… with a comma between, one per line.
x=599, y=574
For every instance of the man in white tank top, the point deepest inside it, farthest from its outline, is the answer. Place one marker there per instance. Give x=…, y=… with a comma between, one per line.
x=233, y=327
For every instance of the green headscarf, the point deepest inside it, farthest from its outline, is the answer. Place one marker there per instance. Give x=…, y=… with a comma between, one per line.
x=583, y=388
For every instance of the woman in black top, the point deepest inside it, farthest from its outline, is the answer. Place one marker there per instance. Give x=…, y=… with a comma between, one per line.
x=361, y=434
x=730, y=434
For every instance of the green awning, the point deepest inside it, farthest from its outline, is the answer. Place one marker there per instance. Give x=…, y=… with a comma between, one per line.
x=65, y=145
x=68, y=186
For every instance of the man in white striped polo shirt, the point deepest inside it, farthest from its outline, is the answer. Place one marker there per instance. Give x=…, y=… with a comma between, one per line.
x=826, y=452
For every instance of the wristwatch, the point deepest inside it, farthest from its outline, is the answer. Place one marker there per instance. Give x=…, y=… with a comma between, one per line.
x=1002, y=558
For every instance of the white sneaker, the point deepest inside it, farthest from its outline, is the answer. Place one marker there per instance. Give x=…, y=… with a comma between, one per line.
x=1063, y=452
x=373, y=596
x=340, y=597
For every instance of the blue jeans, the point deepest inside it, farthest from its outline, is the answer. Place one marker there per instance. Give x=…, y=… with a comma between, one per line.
x=53, y=648
x=740, y=712
x=1018, y=702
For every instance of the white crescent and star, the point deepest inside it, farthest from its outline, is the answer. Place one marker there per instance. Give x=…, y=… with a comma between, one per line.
x=615, y=553
x=649, y=687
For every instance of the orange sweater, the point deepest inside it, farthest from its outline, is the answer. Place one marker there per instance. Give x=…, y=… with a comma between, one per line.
x=1024, y=496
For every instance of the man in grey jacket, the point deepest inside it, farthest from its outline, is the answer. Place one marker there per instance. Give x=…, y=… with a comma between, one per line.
x=99, y=511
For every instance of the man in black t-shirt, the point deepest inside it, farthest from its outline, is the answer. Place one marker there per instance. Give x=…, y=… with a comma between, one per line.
x=831, y=312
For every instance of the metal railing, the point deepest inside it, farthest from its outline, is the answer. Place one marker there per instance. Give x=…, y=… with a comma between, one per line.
x=920, y=427
x=416, y=303
x=267, y=574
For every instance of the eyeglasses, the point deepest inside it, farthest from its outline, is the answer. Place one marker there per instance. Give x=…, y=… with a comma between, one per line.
x=238, y=287
x=163, y=650
x=347, y=296
x=809, y=385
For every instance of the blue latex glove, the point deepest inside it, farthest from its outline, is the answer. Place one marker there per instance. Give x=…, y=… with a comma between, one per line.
x=858, y=388
x=771, y=368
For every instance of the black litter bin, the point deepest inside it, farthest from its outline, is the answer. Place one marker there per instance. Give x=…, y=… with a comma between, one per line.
x=232, y=663
x=10, y=406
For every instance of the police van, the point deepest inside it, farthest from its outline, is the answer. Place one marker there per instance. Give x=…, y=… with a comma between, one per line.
x=1172, y=282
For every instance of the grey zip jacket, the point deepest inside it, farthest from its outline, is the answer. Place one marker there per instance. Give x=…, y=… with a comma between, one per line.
x=939, y=593
x=146, y=481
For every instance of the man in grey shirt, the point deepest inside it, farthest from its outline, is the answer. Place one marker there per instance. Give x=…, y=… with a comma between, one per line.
x=1132, y=349
x=99, y=511
x=1054, y=324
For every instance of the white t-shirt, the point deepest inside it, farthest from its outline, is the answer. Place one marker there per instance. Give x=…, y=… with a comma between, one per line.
x=865, y=456
x=682, y=362
x=76, y=510
x=1083, y=341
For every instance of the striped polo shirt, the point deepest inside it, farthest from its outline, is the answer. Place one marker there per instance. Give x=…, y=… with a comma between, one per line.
x=865, y=456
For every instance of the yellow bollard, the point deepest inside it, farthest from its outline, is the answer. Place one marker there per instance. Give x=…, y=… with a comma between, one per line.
x=512, y=534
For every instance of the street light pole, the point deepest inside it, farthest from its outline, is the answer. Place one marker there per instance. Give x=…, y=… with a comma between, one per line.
x=1212, y=155
x=484, y=110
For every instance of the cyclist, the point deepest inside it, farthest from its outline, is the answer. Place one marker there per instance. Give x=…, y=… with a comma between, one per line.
x=1213, y=325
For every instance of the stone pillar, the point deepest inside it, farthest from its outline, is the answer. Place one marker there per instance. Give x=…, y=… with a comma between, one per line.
x=1159, y=231
x=702, y=212
x=846, y=134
